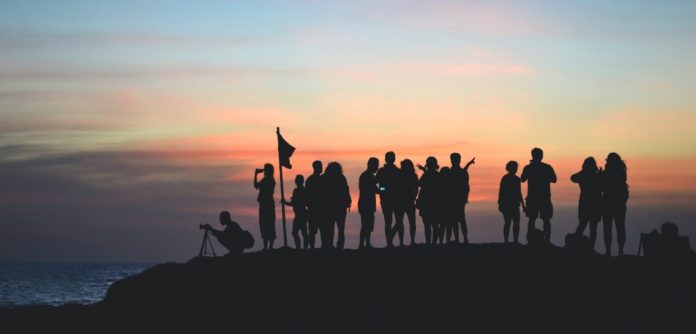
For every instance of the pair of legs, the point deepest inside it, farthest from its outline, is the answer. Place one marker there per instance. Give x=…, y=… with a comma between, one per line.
x=335, y=221
x=410, y=213
x=389, y=215
x=582, y=224
x=367, y=225
x=540, y=208
x=460, y=224
x=511, y=217
x=429, y=228
x=267, y=224
x=313, y=228
x=299, y=228
x=439, y=229
x=615, y=214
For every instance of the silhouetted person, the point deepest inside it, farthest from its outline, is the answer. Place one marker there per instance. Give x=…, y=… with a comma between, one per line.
x=407, y=201
x=590, y=203
x=337, y=200
x=388, y=180
x=232, y=236
x=446, y=206
x=509, y=201
x=615, y=191
x=314, y=209
x=427, y=202
x=267, y=213
x=298, y=202
x=367, y=202
x=539, y=177
x=459, y=178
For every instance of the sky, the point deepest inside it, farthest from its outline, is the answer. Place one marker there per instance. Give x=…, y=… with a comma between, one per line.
x=125, y=124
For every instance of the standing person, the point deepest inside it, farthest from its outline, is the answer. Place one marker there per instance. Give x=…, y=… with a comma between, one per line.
x=267, y=212
x=367, y=203
x=427, y=202
x=388, y=179
x=460, y=181
x=298, y=202
x=590, y=202
x=615, y=189
x=509, y=201
x=314, y=194
x=338, y=201
x=539, y=177
x=407, y=200
x=445, y=221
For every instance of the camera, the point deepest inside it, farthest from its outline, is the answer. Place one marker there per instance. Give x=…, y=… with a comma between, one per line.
x=203, y=226
x=259, y=170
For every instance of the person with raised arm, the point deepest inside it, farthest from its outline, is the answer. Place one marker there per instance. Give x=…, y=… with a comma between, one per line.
x=459, y=178
x=590, y=202
x=427, y=202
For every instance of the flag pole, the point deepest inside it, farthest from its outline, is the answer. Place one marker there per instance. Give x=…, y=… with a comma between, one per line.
x=282, y=190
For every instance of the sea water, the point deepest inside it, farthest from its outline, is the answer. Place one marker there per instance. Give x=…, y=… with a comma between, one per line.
x=60, y=283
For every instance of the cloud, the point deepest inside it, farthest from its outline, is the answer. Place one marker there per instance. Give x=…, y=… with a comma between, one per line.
x=23, y=40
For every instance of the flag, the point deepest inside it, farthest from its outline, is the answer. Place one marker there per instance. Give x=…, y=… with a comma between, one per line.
x=285, y=151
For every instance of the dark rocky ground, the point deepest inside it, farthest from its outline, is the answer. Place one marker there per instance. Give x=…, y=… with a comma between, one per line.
x=474, y=288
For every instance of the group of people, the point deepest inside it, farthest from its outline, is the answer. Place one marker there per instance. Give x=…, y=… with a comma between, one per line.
x=440, y=195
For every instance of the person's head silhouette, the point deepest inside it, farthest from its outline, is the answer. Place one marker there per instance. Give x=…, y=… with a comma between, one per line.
x=268, y=170
x=590, y=165
x=390, y=158
x=333, y=169
x=614, y=161
x=318, y=167
x=372, y=165
x=431, y=164
x=407, y=166
x=456, y=159
x=299, y=180
x=537, y=154
x=511, y=167
x=225, y=217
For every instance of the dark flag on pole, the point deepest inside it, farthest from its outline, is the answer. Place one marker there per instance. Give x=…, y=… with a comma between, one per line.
x=285, y=151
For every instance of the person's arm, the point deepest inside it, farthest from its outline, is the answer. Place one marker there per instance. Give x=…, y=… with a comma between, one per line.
x=257, y=184
x=523, y=177
x=576, y=177
x=421, y=167
x=500, y=190
x=468, y=164
x=520, y=198
x=350, y=200
x=553, y=175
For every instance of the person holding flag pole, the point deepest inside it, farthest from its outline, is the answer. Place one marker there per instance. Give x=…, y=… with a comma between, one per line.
x=285, y=151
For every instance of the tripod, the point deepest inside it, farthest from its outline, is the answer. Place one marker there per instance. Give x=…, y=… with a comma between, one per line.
x=205, y=251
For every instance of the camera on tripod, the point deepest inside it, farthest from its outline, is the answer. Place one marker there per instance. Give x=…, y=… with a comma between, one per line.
x=203, y=226
x=207, y=245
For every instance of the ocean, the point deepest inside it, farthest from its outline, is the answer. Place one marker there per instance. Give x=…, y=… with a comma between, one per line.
x=60, y=283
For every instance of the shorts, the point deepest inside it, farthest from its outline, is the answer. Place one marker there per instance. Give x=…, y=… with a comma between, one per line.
x=539, y=208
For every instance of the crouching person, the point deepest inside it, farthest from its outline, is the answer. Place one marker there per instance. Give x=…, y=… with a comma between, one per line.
x=232, y=237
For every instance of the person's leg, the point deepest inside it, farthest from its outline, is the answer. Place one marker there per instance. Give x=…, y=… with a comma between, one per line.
x=593, y=232
x=453, y=228
x=303, y=232
x=463, y=227
x=296, y=232
x=547, y=230
x=621, y=229
x=531, y=226
x=449, y=226
x=427, y=230
x=516, y=225
x=363, y=229
x=507, y=218
x=411, y=214
x=606, y=221
x=341, y=224
x=399, y=226
x=388, y=214
x=582, y=224
x=370, y=227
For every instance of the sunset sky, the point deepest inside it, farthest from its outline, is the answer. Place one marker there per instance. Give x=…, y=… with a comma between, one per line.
x=125, y=124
